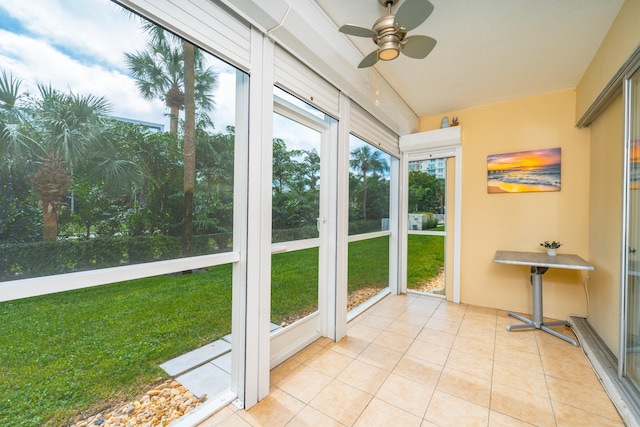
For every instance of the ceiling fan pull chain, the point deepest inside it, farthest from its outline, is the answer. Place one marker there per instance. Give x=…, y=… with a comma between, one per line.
x=377, y=101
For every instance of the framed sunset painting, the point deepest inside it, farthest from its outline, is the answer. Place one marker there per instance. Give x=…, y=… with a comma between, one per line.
x=524, y=171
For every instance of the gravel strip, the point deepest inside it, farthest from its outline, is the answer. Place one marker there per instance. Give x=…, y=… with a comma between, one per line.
x=157, y=407
x=435, y=285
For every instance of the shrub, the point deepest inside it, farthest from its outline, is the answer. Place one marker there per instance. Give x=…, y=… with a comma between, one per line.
x=362, y=226
x=429, y=221
x=23, y=260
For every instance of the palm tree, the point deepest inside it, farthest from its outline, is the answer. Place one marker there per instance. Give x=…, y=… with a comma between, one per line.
x=51, y=182
x=19, y=217
x=10, y=120
x=65, y=129
x=42, y=140
x=14, y=145
x=48, y=136
x=11, y=116
x=159, y=73
x=175, y=71
x=364, y=159
x=69, y=125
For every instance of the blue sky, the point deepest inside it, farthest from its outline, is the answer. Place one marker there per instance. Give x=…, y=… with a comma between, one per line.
x=78, y=45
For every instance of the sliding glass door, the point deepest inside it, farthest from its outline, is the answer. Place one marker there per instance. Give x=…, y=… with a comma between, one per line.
x=632, y=326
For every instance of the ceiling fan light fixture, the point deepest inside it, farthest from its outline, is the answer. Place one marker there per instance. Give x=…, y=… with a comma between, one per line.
x=388, y=51
x=388, y=47
x=389, y=32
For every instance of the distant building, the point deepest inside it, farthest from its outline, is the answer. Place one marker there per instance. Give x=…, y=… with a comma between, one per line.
x=152, y=127
x=435, y=167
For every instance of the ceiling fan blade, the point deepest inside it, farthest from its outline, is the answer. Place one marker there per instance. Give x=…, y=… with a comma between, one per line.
x=413, y=13
x=369, y=60
x=354, y=30
x=418, y=47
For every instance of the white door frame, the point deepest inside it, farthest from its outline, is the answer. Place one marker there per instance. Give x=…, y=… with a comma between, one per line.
x=426, y=145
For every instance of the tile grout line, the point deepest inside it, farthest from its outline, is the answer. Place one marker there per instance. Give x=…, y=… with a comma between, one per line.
x=495, y=347
x=546, y=382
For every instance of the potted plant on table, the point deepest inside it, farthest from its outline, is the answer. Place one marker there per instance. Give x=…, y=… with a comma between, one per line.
x=551, y=247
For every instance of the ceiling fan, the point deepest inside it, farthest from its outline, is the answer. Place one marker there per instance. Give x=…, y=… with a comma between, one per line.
x=390, y=31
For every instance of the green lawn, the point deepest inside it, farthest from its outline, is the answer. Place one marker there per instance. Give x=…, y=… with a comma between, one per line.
x=369, y=263
x=76, y=351
x=425, y=258
x=294, y=283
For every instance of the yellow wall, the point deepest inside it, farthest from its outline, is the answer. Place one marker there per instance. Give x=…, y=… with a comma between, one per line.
x=521, y=221
x=621, y=40
x=605, y=205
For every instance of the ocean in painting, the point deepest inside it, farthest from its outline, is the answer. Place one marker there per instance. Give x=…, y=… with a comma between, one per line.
x=540, y=178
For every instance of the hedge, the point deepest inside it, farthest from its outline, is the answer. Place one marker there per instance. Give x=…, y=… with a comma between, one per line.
x=24, y=260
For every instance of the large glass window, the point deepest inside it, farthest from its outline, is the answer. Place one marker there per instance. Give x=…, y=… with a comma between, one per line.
x=369, y=201
x=117, y=142
x=117, y=147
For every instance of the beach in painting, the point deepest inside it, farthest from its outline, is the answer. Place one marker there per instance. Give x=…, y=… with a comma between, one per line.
x=525, y=171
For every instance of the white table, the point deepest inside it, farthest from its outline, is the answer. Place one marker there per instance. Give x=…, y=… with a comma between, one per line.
x=540, y=263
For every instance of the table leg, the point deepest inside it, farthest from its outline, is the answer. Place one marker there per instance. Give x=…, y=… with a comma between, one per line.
x=536, y=289
x=528, y=324
x=556, y=333
x=536, y=322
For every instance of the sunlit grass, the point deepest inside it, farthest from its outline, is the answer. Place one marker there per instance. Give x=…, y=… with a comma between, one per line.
x=425, y=258
x=369, y=263
x=294, y=283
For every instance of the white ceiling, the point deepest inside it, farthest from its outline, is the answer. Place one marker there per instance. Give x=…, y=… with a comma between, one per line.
x=488, y=51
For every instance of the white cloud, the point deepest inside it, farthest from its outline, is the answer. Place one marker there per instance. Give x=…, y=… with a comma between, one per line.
x=97, y=28
x=78, y=45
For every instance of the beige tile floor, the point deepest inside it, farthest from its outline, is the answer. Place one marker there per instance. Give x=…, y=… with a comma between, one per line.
x=420, y=361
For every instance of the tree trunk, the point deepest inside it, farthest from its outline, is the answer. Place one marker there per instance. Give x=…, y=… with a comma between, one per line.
x=50, y=219
x=51, y=182
x=173, y=120
x=189, y=147
x=364, y=196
